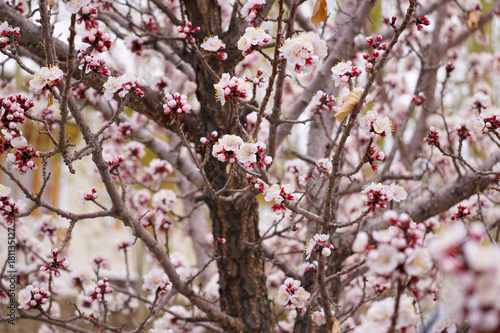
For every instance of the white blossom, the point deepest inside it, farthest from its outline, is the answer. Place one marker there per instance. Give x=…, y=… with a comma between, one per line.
x=156, y=278
x=419, y=263
x=212, y=44
x=46, y=77
x=360, y=242
x=164, y=200
x=384, y=260
x=74, y=6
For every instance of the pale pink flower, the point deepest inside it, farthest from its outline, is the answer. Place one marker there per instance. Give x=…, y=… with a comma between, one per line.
x=419, y=263
x=247, y=153
x=46, y=77
x=301, y=54
x=397, y=193
x=212, y=44
x=339, y=70
x=250, y=9
x=19, y=143
x=231, y=86
x=156, y=278
x=164, y=200
x=4, y=191
x=384, y=260
x=360, y=242
x=74, y=6
x=253, y=37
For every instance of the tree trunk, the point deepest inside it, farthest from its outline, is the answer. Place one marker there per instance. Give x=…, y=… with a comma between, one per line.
x=242, y=281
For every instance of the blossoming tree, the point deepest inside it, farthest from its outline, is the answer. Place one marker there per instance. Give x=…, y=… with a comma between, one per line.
x=335, y=165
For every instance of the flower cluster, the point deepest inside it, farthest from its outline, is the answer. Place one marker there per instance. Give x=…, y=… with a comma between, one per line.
x=322, y=102
x=55, y=264
x=74, y=6
x=471, y=276
x=257, y=183
x=319, y=317
x=160, y=169
x=378, y=318
x=45, y=226
x=488, y=121
x=251, y=153
x=7, y=34
x=150, y=25
x=318, y=243
x=379, y=194
x=125, y=244
x=134, y=150
x=33, y=297
x=299, y=169
x=100, y=289
x=89, y=63
x=21, y=157
x=343, y=72
x=418, y=99
x=279, y=193
x=188, y=31
x=176, y=103
x=462, y=132
x=136, y=45
x=231, y=86
x=432, y=137
x=251, y=39
x=251, y=9
x=231, y=148
x=292, y=296
x=82, y=196
x=164, y=201
x=99, y=261
x=122, y=85
x=398, y=250
x=12, y=110
x=87, y=18
x=46, y=78
x=98, y=38
x=156, y=279
x=379, y=48
x=460, y=212
x=324, y=166
x=214, y=44
x=257, y=80
x=424, y=20
x=374, y=125
x=8, y=207
x=114, y=164
x=304, y=51
x=225, y=149
x=374, y=155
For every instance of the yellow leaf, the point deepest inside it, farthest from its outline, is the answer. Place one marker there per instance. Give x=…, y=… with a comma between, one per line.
x=336, y=326
x=319, y=12
x=51, y=2
x=51, y=100
x=472, y=19
x=348, y=106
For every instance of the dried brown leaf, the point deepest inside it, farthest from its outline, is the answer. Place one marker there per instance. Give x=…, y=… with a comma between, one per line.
x=336, y=326
x=348, y=106
x=50, y=100
x=472, y=19
x=319, y=12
